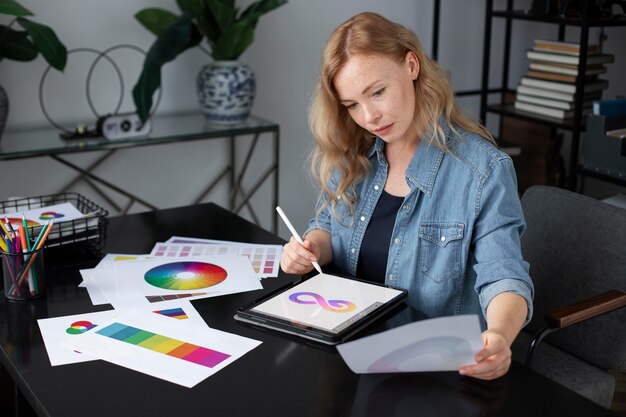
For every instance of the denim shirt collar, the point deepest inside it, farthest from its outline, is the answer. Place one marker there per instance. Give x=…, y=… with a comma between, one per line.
x=423, y=169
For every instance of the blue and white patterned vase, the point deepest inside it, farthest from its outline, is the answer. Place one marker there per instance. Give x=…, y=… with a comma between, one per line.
x=226, y=91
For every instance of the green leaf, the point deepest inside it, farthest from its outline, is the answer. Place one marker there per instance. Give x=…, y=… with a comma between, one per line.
x=258, y=9
x=195, y=7
x=223, y=15
x=155, y=20
x=177, y=38
x=245, y=40
x=13, y=8
x=46, y=42
x=16, y=45
x=234, y=42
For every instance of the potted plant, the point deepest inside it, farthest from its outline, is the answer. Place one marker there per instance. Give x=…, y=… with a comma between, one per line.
x=25, y=44
x=226, y=87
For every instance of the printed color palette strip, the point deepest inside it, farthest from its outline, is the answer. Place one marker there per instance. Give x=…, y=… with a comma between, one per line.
x=264, y=260
x=163, y=344
x=157, y=298
x=177, y=313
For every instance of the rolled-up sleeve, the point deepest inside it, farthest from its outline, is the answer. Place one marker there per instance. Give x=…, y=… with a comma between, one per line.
x=499, y=225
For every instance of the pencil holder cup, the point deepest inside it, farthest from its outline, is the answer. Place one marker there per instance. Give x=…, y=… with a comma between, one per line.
x=23, y=275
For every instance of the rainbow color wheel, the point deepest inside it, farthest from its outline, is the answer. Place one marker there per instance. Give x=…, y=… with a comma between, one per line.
x=185, y=275
x=79, y=327
x=47, y=215
x=18, y=221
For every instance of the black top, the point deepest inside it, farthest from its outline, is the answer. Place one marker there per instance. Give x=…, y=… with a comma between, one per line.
x=372, y=265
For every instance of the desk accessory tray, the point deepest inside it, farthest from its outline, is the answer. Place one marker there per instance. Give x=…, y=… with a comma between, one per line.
x=86, y=234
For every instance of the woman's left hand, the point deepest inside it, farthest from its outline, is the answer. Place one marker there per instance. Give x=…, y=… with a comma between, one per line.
x=493, y=360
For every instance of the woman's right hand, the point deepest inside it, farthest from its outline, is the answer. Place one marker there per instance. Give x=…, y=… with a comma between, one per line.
x=297, y=258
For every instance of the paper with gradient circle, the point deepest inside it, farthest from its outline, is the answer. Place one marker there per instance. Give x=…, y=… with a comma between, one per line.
x=439, y=344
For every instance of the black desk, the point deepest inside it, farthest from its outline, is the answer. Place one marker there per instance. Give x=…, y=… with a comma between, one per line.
x=282, y=377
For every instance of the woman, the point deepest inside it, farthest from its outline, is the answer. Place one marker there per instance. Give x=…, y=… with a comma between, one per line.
x=413, y=193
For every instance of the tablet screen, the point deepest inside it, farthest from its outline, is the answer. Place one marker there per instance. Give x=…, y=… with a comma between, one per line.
x=327, y=302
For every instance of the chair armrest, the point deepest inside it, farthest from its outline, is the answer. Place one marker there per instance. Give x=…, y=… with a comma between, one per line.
x=586, y=309
x=575, y=313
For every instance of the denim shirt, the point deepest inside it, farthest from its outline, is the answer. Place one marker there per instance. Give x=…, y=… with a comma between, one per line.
x=456, y=239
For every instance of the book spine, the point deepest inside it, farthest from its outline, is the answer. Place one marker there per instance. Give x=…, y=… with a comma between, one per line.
x=616, y=107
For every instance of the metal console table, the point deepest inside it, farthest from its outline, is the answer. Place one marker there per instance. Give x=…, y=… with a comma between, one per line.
x=165, y=129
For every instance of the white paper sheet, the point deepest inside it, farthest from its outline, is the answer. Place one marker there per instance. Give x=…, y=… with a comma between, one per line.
x=265, y=259
x=125, y=284
x=57, y=329
x=207, y=350
x=183, y=239
x=38, y=217
x=96, y=296
x=439, y=344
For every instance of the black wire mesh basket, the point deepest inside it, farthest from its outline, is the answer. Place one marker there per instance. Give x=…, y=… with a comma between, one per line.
x=85, y=234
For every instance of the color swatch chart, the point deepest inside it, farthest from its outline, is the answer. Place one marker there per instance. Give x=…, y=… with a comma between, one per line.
x=163, y=344
x=265, y=259
x=168, y=297
x=176, y=313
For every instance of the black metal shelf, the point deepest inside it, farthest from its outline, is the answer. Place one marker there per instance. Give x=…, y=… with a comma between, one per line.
x=509, y=110
x=597, y=174
x=576, y=125
x=569, y=21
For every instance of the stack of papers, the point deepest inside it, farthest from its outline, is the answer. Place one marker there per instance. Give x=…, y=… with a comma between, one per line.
x=181, y=267
x=153, y=328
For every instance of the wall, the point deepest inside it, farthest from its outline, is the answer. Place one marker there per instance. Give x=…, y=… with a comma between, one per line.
x=285, y=57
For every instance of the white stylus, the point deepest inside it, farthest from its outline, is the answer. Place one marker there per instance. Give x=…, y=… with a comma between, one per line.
x=295, y=234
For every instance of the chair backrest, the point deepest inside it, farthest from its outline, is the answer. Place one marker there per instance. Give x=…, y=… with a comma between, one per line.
x=576, y=247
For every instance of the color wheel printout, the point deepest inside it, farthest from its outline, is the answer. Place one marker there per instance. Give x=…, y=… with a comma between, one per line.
x=56, y=330
x=38, y=217
x=162, y=347
x=125, y=284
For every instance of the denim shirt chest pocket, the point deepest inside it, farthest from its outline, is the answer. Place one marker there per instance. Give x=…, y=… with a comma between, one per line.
x=440, y=249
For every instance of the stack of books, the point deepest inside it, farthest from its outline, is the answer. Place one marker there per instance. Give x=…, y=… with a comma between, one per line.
x=549, y=87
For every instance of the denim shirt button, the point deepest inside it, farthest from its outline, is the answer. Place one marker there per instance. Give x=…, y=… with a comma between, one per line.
x=443, y=238
x=392, y=277
x=352, y=250
x=376, y=187
x=362, y=218
x=397, y=240
x=405, y=207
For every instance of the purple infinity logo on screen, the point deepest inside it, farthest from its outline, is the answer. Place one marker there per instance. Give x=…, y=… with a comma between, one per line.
x=336, y=306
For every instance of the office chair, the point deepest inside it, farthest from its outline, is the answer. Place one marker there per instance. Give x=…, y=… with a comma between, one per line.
x=576, y=247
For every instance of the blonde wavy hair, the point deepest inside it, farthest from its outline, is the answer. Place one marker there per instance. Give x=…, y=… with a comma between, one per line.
x=341, y=145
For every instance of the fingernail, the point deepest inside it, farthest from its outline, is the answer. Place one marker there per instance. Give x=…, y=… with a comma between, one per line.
x=462, y=371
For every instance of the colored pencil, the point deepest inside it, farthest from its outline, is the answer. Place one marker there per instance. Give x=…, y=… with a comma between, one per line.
x=41, y=239
x=4, y=229
x=25, y=248
x=9, y=226
x=26, y=231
